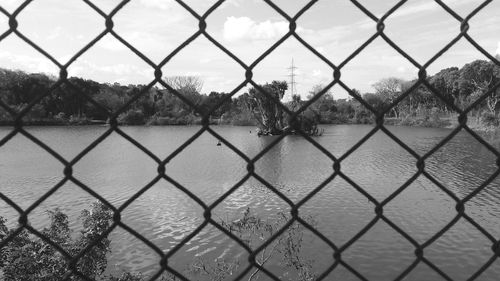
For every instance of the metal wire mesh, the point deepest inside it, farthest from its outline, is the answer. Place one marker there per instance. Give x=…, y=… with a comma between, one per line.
x=205, y=128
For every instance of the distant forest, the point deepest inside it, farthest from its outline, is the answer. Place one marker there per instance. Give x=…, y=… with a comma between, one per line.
x=65, y=105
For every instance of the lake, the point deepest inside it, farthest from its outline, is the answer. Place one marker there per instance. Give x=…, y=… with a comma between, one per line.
x=116, y=170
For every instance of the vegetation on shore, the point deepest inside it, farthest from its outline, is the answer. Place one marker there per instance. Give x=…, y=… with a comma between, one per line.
x=67, y=104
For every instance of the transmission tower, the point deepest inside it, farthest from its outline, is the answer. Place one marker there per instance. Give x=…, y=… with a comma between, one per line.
x=292, y=85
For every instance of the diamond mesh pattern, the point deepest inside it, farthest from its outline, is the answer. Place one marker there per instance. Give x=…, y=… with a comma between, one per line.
x=205, y=128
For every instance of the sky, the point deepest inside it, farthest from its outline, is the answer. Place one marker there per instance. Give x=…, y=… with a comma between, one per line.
x=247, y=28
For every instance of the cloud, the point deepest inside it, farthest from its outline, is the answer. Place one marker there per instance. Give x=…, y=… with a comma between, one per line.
x=158, y=4
x=55, y=33
x=317, y=73
x=244, y=28
x=428, y=6
x=27, y=63
x=401, y=69
x=119, y=69
x=411, y=10
x=11, y=4
x=152, y=45
x=85, y=67
x=498, y=49
x=205, y=60
x=238, y=3
x=112, y=72
x=112, y=44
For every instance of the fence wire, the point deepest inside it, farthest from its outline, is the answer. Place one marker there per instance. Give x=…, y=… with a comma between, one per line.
x=379, y=25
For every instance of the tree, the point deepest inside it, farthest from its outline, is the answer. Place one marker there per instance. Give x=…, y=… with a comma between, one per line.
x=478, y=77
x=18, y=89
x=185, y=83
x=324, y=106
x=266, y=106
x=214, y=99
x=344, y=109
x=10, y=83
x=389, y=89
x=108, y=97
x=296, y=103
x=239, y=111
x=420, y=99
x=189, y=87
x=374, y=101
x=446, y=82
x=307, y=120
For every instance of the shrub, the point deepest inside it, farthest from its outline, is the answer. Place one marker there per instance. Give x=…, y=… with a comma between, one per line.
x=188, y=119
x=127, y=276
x=241, y=119
x=363, y=117
x=252, y=230
x=424, y=121
x=35, y=113
x=4, y=115
x=60, y=116
x=78, y=120
x=160, y=121
x=28, y=258
x=489, y=119
x=132, y=117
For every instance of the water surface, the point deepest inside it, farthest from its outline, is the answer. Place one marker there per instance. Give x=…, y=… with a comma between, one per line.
x=116, y=169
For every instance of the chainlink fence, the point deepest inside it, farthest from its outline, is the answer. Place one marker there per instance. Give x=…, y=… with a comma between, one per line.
x=462, y=23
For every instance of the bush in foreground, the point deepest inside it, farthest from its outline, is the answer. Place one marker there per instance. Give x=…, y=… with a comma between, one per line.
x=28, y=258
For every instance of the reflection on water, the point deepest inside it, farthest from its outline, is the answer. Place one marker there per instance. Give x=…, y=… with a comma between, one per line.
x=165, y=215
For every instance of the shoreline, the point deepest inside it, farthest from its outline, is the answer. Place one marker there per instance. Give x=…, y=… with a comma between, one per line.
x=445, y=123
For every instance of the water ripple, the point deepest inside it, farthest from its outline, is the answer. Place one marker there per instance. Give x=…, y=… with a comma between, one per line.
x=165, y=215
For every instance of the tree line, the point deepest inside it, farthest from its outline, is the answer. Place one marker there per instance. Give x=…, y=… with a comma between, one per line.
x=262, y=106
x=458, y=87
